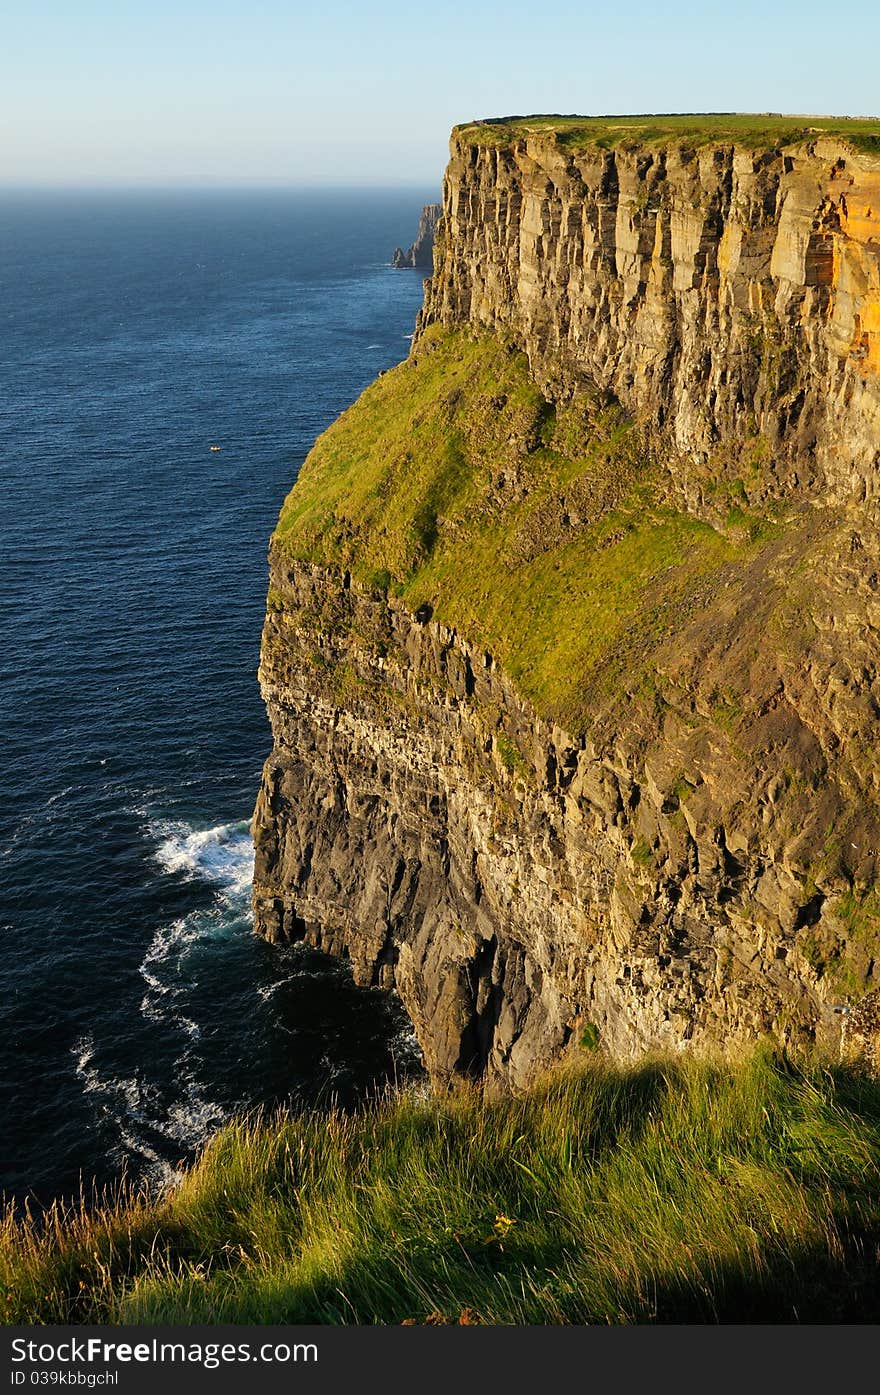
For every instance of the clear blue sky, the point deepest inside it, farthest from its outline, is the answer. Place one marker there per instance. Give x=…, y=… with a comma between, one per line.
x=279, y=92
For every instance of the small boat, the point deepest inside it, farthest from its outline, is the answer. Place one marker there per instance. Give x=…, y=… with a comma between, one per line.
x=215, y=448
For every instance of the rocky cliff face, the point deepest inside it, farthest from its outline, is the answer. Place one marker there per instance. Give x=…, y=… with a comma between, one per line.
x=698, y=864
x=722, y=294
x=421, y=253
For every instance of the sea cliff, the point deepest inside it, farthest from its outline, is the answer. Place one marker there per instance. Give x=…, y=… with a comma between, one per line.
x=570, y=651
x=724, y=292
x=421, y=254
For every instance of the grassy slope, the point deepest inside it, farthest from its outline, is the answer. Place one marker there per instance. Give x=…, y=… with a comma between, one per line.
x=541, y=533
x=766, y=130
x=666, y=1192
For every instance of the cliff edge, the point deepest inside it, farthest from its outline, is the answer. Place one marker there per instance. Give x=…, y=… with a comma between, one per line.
x=420, y=255
x=570, y=651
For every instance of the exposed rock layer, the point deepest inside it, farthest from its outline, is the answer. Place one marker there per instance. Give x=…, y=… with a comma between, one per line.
x=721, y=293
x=701, y=867
x=684, y=884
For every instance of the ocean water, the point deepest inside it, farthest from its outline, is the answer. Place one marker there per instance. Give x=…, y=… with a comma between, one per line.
x=138, y=1008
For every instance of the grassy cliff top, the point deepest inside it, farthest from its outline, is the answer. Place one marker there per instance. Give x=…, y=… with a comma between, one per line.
x=540, y=531
x=671, y=1192
x=741, y=128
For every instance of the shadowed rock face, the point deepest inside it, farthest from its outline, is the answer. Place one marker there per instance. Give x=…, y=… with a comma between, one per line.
x=699, y=866
x=420, y=255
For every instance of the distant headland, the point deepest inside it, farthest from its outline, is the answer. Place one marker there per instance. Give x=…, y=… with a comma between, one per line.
x=421, y=254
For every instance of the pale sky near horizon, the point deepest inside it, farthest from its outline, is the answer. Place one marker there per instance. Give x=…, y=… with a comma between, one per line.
x=216, y=92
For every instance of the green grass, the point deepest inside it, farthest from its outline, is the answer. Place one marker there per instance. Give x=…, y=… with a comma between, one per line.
x=774, y=130
x=540, y=531
x=671, y=1191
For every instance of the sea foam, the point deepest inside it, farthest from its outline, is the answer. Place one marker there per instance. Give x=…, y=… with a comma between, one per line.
x=222, y=856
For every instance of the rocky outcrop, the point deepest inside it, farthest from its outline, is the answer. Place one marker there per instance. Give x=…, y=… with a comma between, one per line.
x=725, y=295
x=671, y=885
x=699, y=866
x=421, y=254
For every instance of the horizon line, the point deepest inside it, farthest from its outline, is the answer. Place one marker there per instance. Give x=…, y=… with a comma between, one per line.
x=417, y=186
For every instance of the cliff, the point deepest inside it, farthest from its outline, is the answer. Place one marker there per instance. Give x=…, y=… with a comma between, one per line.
x=729, y=294
x=571, y=644
x=420, y=254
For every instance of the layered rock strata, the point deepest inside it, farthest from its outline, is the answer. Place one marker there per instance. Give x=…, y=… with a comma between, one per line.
x=700, y=866
x=723, y=294
x=680, y=885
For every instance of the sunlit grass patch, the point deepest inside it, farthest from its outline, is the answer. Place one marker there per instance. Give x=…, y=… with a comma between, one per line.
x=671, y=1191
x=543, y=532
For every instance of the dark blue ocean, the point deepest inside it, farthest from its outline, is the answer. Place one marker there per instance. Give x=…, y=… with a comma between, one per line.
x=138, y=1008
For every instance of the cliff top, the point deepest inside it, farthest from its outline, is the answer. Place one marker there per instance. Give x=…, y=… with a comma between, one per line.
x=700, y=128
x=598, y=1222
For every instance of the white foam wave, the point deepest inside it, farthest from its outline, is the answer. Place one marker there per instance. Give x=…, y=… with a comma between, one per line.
x=144, y=1121
x=62, y=794
x=269, y=990
x=222, y=856
x=168, y=944
x=299, y=950
x=405, y=1049
x=153, y=1011
x=128, y=1093
x=156, y=1170
x=193, y=1118
x=134, y=1109
x=83, y=1050
x=161, y=970
x=124, y=1101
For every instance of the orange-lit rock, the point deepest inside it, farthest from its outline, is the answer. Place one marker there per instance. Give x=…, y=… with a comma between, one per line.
x=717, y=292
